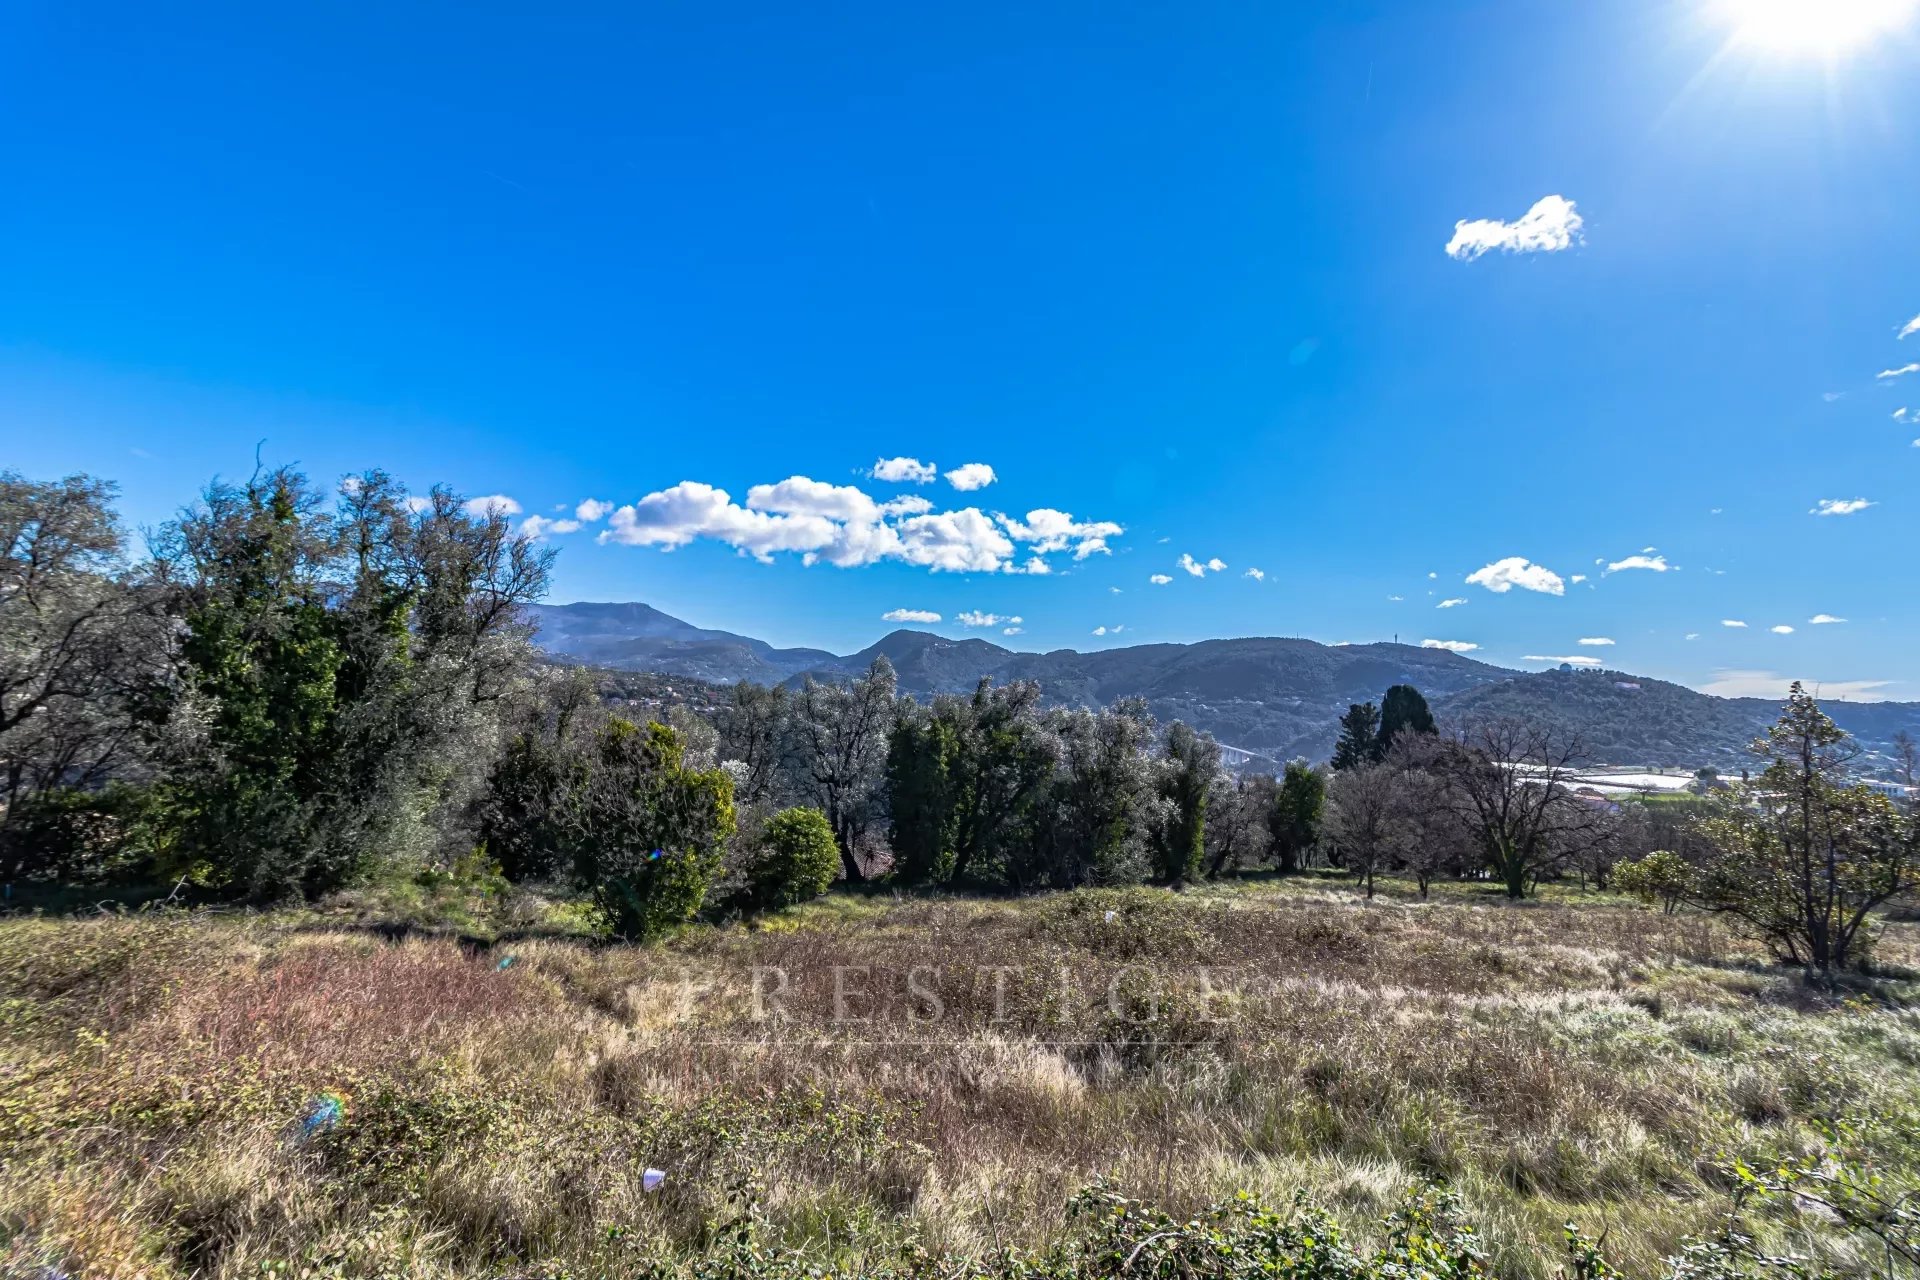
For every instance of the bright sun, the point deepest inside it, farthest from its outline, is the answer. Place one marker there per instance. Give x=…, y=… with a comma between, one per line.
x=1815, y=26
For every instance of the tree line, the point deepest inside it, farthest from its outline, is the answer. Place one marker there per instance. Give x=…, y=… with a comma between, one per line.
x=292, y=690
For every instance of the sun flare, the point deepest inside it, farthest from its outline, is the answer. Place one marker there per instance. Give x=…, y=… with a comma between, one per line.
x=1815, y=26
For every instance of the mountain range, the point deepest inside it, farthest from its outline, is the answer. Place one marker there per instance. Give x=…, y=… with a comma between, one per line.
x=1268, y=696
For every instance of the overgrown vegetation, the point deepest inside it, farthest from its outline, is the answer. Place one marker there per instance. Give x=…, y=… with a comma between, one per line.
x=931, y=1083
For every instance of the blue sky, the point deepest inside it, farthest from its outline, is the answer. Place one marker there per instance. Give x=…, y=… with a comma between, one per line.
x=1182, y=270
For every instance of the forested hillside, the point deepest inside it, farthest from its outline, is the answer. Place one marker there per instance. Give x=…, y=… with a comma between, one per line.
x=1278, y=697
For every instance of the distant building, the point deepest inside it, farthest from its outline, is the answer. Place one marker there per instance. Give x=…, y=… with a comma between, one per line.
x=1897, y=790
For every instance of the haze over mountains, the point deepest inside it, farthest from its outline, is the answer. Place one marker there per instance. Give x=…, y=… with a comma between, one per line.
x=1274, y=696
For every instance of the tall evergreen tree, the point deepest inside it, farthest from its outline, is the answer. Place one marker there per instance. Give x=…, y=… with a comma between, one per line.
x=1403, y=710
x=1192, y=760
x=1359, y=736
x=1297, y=812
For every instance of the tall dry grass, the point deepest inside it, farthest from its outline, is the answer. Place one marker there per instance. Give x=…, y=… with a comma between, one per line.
x=1564, y=1059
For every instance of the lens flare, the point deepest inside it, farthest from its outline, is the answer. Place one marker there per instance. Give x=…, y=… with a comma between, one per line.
x=1823, y=27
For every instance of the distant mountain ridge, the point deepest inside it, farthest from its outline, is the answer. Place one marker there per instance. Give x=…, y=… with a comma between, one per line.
x=1271, y=695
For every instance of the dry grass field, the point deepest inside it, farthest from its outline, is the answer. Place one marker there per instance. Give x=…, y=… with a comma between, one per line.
x=934, y=1076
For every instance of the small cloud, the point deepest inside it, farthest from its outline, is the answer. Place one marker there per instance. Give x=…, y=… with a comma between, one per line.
x=1160, y=579
x=1823, y=620
x=592, y=510
x=1902, y=415
x=1831, y=396
x=1901, y=372
x=1548, y=227
x=1451, y=646
x=1038, y=567
x=1200, y=569
x=1732, y=622
x=1910, y=327
x=1114, y=590
x=1396, y=599
x=1012, y=631
x=1258, y=575
x=1839, y=506
x=970, y=476
x=910, y=615
x=1782, y=630
x=1576, y=578
x=974, y=618
x=1432, y=575
x=1572, y=659
x=1503, y=576
x=1713, y=511
x=492, y=504
x=541, y=526
x=1594, y=640
x=1656, y=564
x=1108, y=631
x=1693, y=635
x=1452, y=602
x=903, y=471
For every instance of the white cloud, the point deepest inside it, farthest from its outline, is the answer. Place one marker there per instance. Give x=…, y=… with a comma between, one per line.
x=1658, y=564
x=592, y=510
x=1395, y=599
x=1768, y=684
x=1550, y=226
x=1503, y=576
x=1115, y=591
x=908, y=504
x=678, y=515
x=1839, y=506
x=1823, y=620
x=1431, y=575
x=1594, y=640
x=492, y=504
x=910, y=615
x=970, y=476
x=1901, y=415
x=1782, y=630
x=974, y=618
x=418, y=504
x=1108, y=631
x=1451, y=646
x=1013, y=631
x=541, y=526
x=1732, y=622
x=1201, y=569
x=955, y=541
x=903, y=471
x=1910, y=327
x=1049, y=530
x=1831, y=396
x=1035, y=566
x=1901, y=372
x=1452, y=602
x=1160, y=579
x=1693, y=635
x=1576, y=578
x=1258, y=575
x=1571, y=659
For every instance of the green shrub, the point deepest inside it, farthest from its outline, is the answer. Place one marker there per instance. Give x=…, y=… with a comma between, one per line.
x=74, y=836
x=796, y=860
x=1661, y=876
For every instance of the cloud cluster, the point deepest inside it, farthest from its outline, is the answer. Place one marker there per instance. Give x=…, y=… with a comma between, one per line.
x=974, y=618
x=1503, y=576
x=1551, y=225
x=1200, y=568
x=845, y=526
x=1160, y=579
x=903, y=471
x=1258, y=575
x=1108, y=631
x=970, y=476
